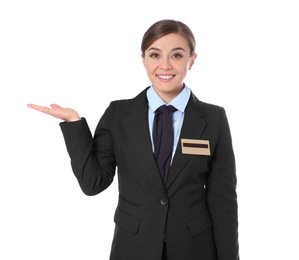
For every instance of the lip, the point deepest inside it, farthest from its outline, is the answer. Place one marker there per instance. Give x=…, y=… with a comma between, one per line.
x=165, y=77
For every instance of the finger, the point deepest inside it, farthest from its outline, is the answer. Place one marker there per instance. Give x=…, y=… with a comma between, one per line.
x=34, y=106
x=55, y=106
x=31, y=105
x=39, y=108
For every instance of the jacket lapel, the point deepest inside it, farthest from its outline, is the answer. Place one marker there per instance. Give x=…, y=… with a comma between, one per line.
x=136, y=127
x=193, y=127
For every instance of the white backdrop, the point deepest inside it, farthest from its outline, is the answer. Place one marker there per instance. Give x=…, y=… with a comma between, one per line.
x=83, y=54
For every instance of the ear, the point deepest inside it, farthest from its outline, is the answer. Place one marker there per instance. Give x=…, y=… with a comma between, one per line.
x=193, y=58
x=142, y=56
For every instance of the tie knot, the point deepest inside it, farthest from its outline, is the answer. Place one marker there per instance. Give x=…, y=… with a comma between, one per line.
x=169, y=109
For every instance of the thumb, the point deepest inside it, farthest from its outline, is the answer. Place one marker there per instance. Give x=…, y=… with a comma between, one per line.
x=55, y=106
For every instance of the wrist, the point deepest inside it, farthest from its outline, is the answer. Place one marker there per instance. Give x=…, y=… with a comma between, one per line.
x=73, y=119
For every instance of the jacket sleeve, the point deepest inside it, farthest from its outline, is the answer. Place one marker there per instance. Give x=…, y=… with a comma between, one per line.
x=221, y=194
x=92, y=158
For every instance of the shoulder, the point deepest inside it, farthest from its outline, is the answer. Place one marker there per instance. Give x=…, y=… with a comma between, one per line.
x=131, y=103
x=213, y=114
x=204, y=108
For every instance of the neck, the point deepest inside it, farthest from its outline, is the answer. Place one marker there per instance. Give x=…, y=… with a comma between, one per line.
x=169, y=96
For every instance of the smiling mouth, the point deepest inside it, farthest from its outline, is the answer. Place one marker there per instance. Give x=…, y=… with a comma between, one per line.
x=165, y=77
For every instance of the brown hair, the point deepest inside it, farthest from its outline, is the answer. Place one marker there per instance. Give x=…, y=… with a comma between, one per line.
x=164, y=27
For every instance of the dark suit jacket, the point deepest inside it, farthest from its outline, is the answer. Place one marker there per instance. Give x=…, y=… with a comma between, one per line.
x=196, y=212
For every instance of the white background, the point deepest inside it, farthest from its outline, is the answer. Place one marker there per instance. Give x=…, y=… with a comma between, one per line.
x=83, y=54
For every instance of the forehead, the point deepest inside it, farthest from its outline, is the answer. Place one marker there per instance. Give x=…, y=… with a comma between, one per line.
x=169, y=42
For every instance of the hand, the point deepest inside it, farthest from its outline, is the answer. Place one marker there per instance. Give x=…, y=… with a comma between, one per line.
x=66, y=114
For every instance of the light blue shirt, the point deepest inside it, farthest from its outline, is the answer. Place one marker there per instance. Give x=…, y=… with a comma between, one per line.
x=179, y=102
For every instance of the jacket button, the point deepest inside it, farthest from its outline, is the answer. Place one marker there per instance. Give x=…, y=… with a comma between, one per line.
x=163, y=202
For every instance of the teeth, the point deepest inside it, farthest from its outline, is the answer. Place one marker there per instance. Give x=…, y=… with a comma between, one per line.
x=165, y=77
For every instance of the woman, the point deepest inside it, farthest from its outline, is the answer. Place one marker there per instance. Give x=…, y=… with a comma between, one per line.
x=185, y=209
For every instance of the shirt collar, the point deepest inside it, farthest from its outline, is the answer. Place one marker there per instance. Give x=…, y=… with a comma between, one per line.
x=179, y=102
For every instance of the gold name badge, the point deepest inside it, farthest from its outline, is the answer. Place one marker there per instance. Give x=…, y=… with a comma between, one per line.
x=197, y=147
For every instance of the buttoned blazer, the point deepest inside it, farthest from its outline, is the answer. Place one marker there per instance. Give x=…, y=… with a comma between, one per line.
x=196, y=212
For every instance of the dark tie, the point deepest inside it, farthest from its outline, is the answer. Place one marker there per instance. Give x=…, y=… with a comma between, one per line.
x=163, y=138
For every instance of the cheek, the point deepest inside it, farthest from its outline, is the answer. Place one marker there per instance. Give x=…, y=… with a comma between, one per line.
x=150, y=67
x=185, y=68
x=184, y=65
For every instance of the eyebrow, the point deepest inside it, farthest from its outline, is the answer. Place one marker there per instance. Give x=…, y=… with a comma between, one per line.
x=174, y=49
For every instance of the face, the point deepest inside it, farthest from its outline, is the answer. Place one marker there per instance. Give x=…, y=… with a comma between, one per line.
x=167, y=62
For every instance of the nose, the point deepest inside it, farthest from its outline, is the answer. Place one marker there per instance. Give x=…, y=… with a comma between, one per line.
x=166, y=64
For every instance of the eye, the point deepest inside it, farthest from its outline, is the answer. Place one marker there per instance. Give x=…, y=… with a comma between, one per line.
x=177, y=56
x=154, y=55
